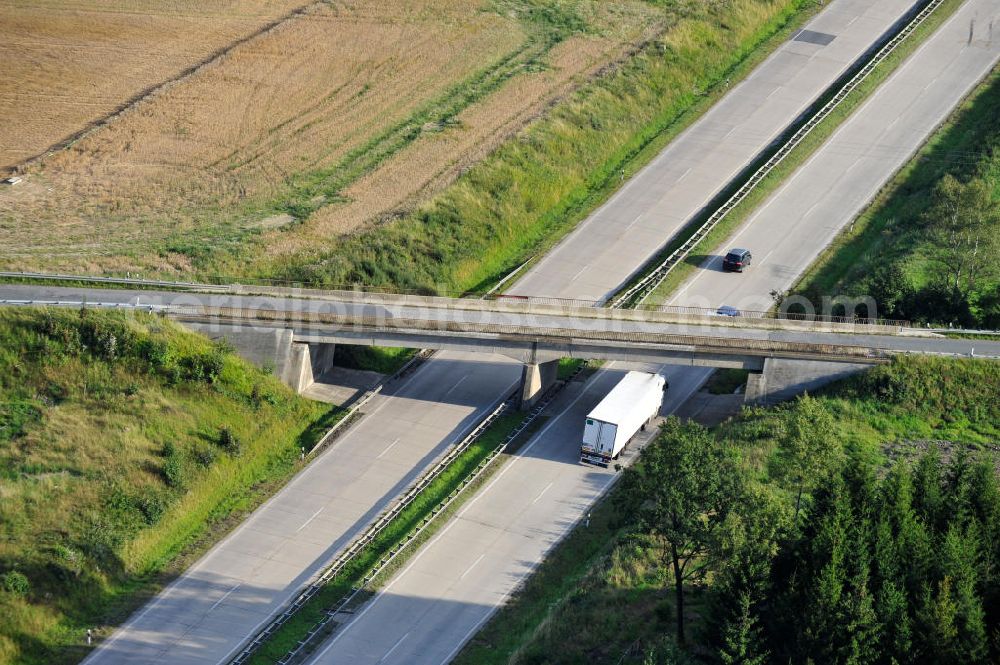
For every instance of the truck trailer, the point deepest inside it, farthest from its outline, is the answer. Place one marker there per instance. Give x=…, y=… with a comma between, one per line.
x=624, y=411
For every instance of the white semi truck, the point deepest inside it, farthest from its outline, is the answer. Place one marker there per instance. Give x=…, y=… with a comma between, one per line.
x=624, y=411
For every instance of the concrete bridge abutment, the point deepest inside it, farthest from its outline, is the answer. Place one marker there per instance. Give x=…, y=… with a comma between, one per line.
x=784, y=379
x=296, y=364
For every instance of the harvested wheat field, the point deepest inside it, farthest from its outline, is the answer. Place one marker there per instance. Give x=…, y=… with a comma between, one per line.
x=70, y=63
x=339, y=116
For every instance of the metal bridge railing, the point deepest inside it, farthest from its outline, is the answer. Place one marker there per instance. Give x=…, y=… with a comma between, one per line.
x=655, y=277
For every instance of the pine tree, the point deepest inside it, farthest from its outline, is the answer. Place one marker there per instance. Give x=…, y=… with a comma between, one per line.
x=749, y=541
x=937, y=634
x=742, y=644
x=958, y=564
x=928, y=493
x=896, y=635
x=862, y=632
x=821, y=609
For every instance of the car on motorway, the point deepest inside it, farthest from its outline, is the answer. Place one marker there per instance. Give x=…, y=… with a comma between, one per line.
x=727, y=310
x=737, y=260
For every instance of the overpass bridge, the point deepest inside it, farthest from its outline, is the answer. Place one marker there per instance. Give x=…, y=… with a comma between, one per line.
x=295, y=331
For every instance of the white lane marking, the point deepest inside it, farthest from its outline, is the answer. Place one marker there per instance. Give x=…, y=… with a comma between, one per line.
x=579, y=272
x=637, y=218
x=539, y=436
x=683, y=175
x=226, y=595
x=542, y=493
x=765, y=258
x=474, y=563
x=394, y=647
x=306, y=523
x=454, y=520
x=811, y=208
x=457, y=384
x=688, y=391
x=387, y=449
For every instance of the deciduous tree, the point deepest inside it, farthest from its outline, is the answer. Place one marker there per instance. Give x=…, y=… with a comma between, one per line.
x=681, y=493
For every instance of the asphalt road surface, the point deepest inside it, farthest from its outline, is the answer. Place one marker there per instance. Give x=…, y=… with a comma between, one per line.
x=433, y=606
x=459, y=578
x=446, y=395
x=568, y=326
x=216, y=604
x=788, y=232
x=628, y=230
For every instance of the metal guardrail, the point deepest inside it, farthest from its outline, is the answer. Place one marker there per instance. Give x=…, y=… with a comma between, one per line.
x=503, y=301
x=696, y=343
x=367, y=537
x=378, y=526
x=124, y=281
x=655, y=277
x=331, y=614
x=703, y=344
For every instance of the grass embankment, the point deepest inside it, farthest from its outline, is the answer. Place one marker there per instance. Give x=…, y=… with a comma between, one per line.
x=353, y=575
x=726, y=381
x=604, y=595
x=711, y=244
x=532, y=190
x=381, y=359
x=927, y=248
x=127, y=446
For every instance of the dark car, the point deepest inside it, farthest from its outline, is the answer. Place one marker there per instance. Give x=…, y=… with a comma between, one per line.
x=737, y=260
x=728, y=310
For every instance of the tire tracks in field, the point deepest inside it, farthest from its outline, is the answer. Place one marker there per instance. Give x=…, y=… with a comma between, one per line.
x=157, y=88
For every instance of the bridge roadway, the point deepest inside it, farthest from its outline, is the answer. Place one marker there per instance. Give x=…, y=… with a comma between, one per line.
x=217, y=603
x=428, y=611
x=532, y=333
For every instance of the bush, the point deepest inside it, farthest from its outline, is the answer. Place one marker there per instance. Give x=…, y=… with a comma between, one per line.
x=16, y=583
x=173, y=471
x=205, y=367
x=70, y=560
x=152, y=507
x=229, y=442
x=155, y=352
x=204, y=456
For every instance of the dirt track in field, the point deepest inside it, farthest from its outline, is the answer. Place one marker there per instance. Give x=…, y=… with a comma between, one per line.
x=197, y=162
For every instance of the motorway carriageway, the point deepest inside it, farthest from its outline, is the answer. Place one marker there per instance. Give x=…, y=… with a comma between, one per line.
x=215, y=605
x=427, y=611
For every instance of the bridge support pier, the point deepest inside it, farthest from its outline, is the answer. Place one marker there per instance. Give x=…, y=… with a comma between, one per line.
x=536, y=378
x=783, y=379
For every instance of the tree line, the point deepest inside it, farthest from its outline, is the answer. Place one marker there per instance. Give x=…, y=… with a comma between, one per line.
x=959, y=233
x=828, y=556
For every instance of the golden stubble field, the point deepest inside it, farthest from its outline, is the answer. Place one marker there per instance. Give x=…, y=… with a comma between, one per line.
x=333, y=88
x=70, y=63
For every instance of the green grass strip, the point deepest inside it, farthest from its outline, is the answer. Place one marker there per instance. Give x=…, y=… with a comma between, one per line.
x=795, y=159
x=551, y=585
x=531, y=191
x=395, y=533
x=885, y=230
